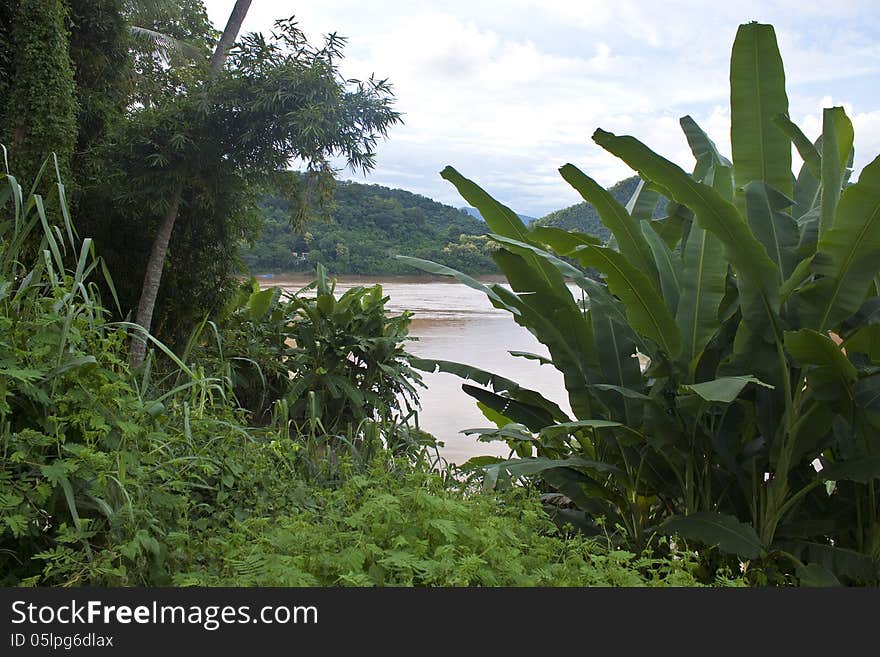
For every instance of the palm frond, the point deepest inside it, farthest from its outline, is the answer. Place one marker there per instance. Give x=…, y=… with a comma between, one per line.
x=165, y=45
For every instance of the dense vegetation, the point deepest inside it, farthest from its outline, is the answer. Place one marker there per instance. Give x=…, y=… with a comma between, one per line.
x=165, y=154
x=262, y=454
x=366, y=225
x=753, y=426
x=257, y=436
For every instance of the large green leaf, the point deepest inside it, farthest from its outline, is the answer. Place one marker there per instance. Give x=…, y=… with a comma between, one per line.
x=572, y=477
x=642, y=203
x=497, y=383
x=534, y=417
x=701, y=145
x=756, y=272
x=673, y=228
x=615, y=340
x=712, y=168
x=626, y=230
x=838, y=560
x=848, y=255
x=860, y=470
x=599, y=297
x=564, y=268
x=728, y=533
x=799, y=275
x=805, y=148
x=533, y=466
x=565, y=428
x=566, y=243
x=501, y=219
x=626, y=392
x=829, y=372
x=773, y=226
x=724, y=389
x=757, y=95
x=810, y=347
x=616, y=348
x=466, y=372
x=647, y=313
x=806, y=205
x=702, y=288
x=528, y=355
x=837, y=143
x=816, y=575
x=553, y=317
x=866, y=393
x=811, y=429
x=561, y=241
x=258, y=303
x=865, y=340
x=669, y=266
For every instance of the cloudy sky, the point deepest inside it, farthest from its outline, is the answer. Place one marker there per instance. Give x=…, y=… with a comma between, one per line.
x=507, y=91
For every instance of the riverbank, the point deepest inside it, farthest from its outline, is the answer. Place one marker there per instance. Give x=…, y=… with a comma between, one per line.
x=291, y=279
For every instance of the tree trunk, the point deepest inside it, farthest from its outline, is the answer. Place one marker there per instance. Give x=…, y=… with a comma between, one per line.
x=156, y=263
x=153, y=276
x=233, y=25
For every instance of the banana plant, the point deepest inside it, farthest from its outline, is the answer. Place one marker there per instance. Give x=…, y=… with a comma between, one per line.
x=756, y=302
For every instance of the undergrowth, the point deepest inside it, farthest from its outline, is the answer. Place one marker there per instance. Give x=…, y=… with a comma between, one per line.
x=415, y=528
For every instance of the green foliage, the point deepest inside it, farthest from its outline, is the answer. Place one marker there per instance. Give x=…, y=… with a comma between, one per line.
x=39, y=107
x=383, y=529
x=350, y=354
x=99, y=41
x=749, y=426
x=367, y=224
x=101, y=473
x=7, y=53
x=162, y=64
x=225, y=139
x=79, y=457
x=107, y=479
x=311, y=357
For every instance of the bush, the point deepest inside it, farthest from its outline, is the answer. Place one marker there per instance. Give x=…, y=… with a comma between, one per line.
x=309, y=357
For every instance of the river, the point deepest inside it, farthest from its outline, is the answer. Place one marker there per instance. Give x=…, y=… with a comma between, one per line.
x=454, y=322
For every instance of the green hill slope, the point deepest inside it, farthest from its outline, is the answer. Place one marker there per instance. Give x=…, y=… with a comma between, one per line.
x=369, y=224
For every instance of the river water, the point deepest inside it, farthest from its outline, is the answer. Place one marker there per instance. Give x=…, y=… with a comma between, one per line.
x=454, y=322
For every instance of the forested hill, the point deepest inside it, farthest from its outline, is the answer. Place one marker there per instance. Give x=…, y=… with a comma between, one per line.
x=369, y=224
x=583, y=217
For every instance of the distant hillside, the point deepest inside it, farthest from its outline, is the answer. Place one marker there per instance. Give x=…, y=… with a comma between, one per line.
x=583, y=216
x=369, y=224
x=526, y=219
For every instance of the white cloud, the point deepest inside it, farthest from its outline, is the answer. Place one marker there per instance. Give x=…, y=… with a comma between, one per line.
x=509, y=90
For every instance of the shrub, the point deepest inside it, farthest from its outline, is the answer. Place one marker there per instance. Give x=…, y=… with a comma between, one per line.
x=311, y=358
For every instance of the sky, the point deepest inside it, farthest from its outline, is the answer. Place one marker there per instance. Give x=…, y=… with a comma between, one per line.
x=507, y=91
